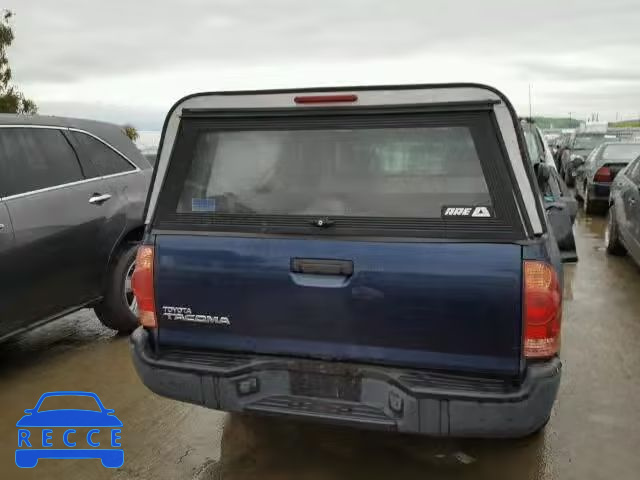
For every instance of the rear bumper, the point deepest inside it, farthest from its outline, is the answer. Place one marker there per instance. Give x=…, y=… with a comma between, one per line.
x=599, y=192
x=365, y=396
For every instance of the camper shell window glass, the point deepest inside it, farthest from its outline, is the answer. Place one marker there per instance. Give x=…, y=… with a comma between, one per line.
x=364, y=174
x=386, y=172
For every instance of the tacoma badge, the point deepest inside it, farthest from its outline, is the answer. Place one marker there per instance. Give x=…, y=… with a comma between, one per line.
x=185, y=314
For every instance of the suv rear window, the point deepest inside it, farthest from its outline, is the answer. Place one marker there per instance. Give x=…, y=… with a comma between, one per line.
x=377, y=172
x=622, y=151
x=32, y=159
x=106, y=160
x=383, y=172
x=588, y=142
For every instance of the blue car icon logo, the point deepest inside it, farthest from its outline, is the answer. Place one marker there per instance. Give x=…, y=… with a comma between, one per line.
x=40, y=427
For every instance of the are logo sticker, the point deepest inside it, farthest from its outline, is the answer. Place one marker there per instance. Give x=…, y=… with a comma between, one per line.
x=466, y=211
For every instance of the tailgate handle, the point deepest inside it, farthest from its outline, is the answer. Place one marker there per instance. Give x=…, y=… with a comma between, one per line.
x=319, y=266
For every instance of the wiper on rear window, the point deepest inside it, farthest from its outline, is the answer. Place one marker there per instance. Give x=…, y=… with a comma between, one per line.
x=323, y=222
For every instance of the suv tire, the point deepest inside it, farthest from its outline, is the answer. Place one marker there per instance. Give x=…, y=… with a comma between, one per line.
x=576, y=192
x=589, y=206
x=114, y=311
x=611, y=236
x=568, y=179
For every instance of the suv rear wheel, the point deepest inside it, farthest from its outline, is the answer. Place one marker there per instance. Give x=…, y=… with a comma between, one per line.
x=118, y=309
x=611, y=237
x=568, y=179
x=589, y=206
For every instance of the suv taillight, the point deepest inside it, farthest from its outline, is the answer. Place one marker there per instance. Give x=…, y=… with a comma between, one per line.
x=542, y=310
x=142, y=283
x=603, y=175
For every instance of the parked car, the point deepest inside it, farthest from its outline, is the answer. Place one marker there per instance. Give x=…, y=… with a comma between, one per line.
x=537, y=146
x=373, y=256
x=72, y=195
x=576, y=151
x=622, y=234
x=560, y=205
x=552, y=136
x=559, y=147
x=594, y=179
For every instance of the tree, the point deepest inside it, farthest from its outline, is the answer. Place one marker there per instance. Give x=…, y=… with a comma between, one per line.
x=131, y=132
x=12, y=100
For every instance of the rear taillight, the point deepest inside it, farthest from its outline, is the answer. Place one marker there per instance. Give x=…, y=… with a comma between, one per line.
x=604, y=175
x=542, y=310
x=142, y=283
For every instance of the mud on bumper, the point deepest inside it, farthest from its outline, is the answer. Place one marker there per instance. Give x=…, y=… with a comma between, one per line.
x=367, y=396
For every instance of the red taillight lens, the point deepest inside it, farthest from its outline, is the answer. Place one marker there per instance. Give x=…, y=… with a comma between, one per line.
x=542, y=310
x=325, y=99
x=142, y=283
x=603, y=175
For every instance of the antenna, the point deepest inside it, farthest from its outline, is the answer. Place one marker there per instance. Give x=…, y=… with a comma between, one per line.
x=530, y=109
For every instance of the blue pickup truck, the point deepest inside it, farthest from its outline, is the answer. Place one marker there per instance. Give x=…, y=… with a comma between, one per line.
x=377, y=257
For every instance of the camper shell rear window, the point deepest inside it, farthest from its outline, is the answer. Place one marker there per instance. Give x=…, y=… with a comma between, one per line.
x=347, y=172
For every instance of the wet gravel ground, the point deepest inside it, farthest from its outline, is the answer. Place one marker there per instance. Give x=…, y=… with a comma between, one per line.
x=594, y=432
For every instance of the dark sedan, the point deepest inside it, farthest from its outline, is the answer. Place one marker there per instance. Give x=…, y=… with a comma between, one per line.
x=623, y=226
x=561, y=207
x=577, y=149
x=72, y=194
x=593, y=180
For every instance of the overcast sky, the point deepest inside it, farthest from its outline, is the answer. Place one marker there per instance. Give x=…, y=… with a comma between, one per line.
x=129, y=61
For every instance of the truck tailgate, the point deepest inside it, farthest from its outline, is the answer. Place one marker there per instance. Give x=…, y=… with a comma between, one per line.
x=450, y=306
